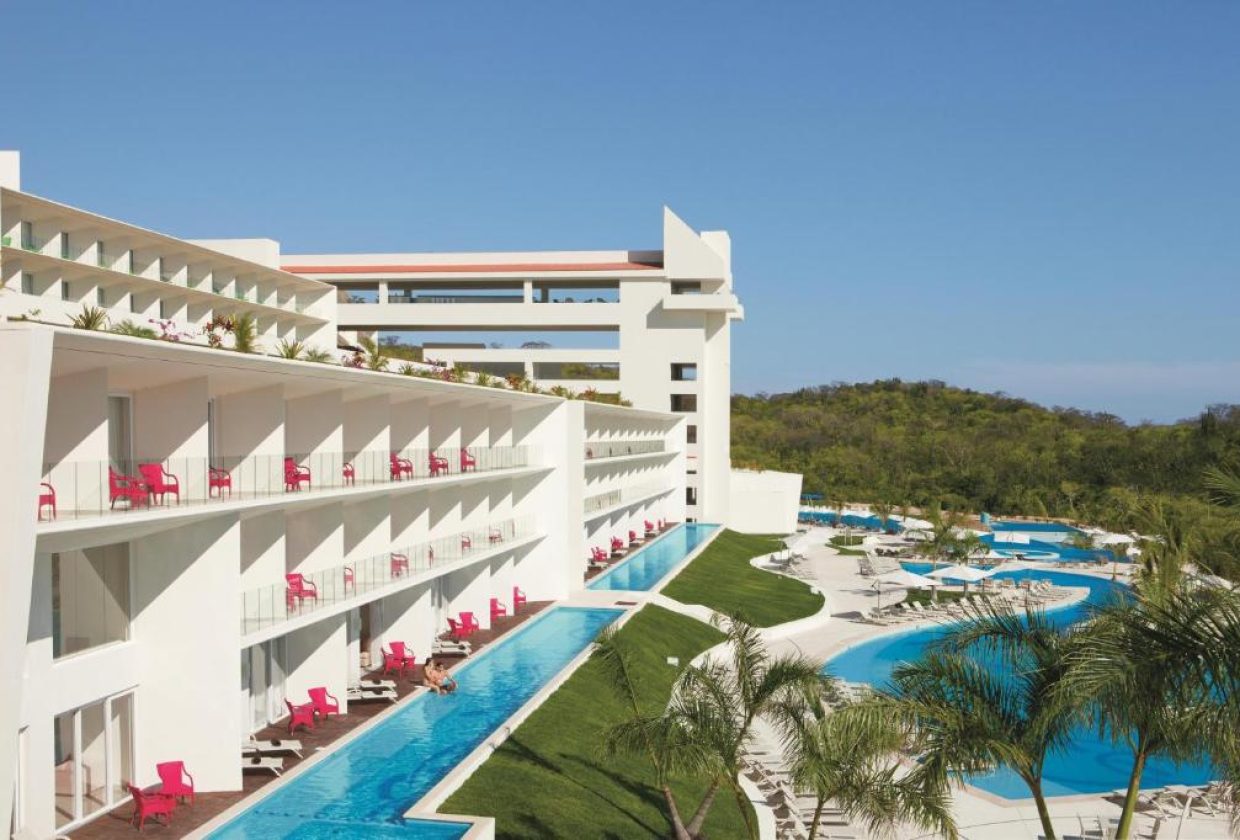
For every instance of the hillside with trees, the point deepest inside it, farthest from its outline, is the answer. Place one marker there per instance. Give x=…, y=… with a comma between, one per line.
x=926, y=442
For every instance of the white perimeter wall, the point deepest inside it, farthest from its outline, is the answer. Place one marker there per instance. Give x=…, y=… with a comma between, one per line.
x=764, y=502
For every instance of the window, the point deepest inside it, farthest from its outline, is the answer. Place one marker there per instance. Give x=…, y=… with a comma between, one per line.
x=64, y=245
x=684, y=402
x=100, y=258
x=120, y=450
x=133, y=262
x=100, y=298
x=691, y=495
x=163, y=310
x=133, y=303
x=27, y=284
x=93, y=757
x=28, y=235
x=691, y=434
x=90, y=598
x=159, y=268
x=684, y=372
x=66, y=293
x=681, y=288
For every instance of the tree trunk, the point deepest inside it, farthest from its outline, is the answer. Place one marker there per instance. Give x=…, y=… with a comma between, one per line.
x=699, y=818
x=742, y=802
x=678, y=827
x=1044, y=814
x=1130, y=799
x=813, y=827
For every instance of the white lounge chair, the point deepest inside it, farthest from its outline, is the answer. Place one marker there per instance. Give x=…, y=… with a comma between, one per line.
x=274, y=746
x=357, y=695
x=371, y=685
x=263, y=762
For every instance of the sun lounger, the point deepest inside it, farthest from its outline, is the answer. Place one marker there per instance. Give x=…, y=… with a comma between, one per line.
x=371, y=685
x=357, y=695
x=273, y=746
x=273, y=763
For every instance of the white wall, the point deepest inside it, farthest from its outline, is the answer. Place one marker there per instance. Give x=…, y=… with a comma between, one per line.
x=764, y=502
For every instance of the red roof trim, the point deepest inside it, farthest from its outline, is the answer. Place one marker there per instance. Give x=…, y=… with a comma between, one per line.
x=495, y=268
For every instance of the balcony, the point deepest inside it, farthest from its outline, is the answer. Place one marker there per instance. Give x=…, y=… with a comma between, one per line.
x=349, y=584
x=598, y=450
x=88, y=489
x=603, y=502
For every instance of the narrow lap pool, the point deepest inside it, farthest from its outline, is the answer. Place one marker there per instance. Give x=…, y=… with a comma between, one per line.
x=1088, y=764
x=647, y=566
x=365, y=787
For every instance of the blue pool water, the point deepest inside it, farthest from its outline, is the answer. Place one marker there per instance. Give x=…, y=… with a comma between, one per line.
x=852, y=520
x=645, y=567
x=1089, y=764
x=1049, y=531
x=1047, y=550
x=364, y=788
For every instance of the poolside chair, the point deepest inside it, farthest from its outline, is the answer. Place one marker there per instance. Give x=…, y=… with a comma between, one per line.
x=468, y=462
x=159, y=482
x=348, y=474
x=649, y=526
x=47, y=499
x=175, y=780
x=359, y=695
x=469, y=623
x=299, y=715
x=498, y=610
x=617, y=545
x=218, y=480
x=437, y=465
x=400, y=564
x=402, y=651
x=456, y=630
x=518, y=599
x=400, y=467
x=273, y=763
x=295, y=475
x=150, y=804
x=324, y=704
x=299, y=589
x=127, y=488
x=274, y=746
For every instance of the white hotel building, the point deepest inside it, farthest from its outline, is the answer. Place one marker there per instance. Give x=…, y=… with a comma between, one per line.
x=126, y=617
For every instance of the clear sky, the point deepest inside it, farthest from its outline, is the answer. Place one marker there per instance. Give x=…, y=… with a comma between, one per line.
x=1041, y=198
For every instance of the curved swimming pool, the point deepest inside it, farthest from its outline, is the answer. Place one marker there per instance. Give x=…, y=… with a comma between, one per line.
x=1089, y=764
x=645, y=567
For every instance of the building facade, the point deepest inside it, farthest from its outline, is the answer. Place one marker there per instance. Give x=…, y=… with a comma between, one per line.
x=170, y=505
x=651, y=326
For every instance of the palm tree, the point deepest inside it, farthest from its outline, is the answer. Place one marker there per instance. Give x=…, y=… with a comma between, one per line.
x=315, y=354
x=712, y=711
x=290, y=349
x=972, y=716
x=90, y=318
x=852, y=757
x=1160, y=672
x=942, y=535
x=245, y=333
x=882, y=510
x=374, y=358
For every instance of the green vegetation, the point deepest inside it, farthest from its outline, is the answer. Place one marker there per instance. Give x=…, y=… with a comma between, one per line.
x=551, y=778
x=846, y=539
x=722, y=579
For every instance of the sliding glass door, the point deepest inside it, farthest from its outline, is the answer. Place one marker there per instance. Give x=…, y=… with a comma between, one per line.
x=93, y=757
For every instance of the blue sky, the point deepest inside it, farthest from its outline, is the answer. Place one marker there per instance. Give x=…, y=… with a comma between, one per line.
x=1040, y=198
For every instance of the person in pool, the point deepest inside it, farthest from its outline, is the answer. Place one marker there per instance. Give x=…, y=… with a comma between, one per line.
x=437, y=678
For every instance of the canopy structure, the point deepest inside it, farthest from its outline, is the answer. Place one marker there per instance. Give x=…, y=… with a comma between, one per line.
x=968, y=574
x=904, y=578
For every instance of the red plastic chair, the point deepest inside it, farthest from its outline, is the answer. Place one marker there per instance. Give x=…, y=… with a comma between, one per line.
x=633, y=538
x=468, y=462
x=392, y=662
x=437, y=465
x=350, y=477
x=218, y=479
x=294, y=475
x=402, y=652
x=300, y=589
x=324, y=704
x=160, y=482
x=466, y=543
x=617, y=545
x=299, y=715
x=150, y=804
x=455, y=630
x=598, y=555
x=47, y=499
x=175, y=780
x=400, y=565
x=498, y=610
x=518, y=599
x=401, y=467
x=649, y=526
x=495, y=536
x=349, y=579
x=469, y=623
x=126, y=487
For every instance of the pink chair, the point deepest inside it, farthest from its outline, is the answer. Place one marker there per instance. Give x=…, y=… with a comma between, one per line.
x=518, y=599
x=468, y=462
x=400, y=565
x=469, y=623
x=299, y=589
x=649, y=526
x=633, y=540
x=150, y=804
x=598, y=555
x=498, y=610
x=392, y=662
x=617, y=545
x=324, y=704
x=402, y=652
x=350, y=581
x=455, y=630
x=437, y=465
x=126, y=487
x=175, y=780
x=349, y=476
x=466, y=543
x=295, y=476
x=495, y=536
x=218, y=480
x=160, y=482
x=47, y=499
x=299, y=715
x=401, y=467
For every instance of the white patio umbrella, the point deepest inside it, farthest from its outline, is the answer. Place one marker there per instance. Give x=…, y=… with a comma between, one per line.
x=905, y=579
x=968, y=574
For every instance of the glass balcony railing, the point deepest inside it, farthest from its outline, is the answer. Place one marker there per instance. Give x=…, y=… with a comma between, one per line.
x=352, y=581
x=619, y=496
x=77, y=489
x=596, y=449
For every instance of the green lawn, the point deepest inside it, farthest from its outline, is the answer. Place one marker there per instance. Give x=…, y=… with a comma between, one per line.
x=722, y=579
x=550, y=779
x=846, y=539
